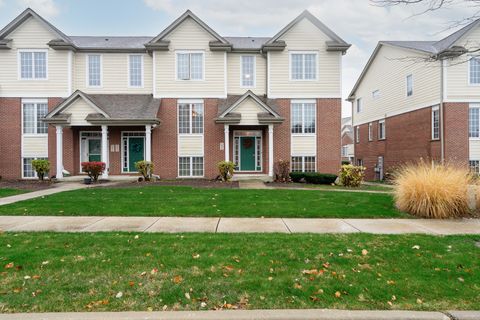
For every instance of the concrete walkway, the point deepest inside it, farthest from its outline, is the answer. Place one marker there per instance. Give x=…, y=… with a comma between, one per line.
x=237, y=225
x=252, y=315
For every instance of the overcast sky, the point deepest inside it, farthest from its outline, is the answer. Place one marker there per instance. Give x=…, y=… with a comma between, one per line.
x=356, y=21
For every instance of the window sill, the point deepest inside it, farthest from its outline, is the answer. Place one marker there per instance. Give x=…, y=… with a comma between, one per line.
x=382, y=139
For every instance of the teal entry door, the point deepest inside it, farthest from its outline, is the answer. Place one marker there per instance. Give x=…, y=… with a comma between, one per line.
x=94, y=150
x=136, y=151
x=247, y=153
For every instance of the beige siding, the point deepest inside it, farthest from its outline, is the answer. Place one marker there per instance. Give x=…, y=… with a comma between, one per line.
x=249, y=110
x=234, y=74
x=388, y=73
x=305, y=37
x=35, y=146
x=115, y=77
x=304, y=145
x=190, y=145
x=458, y=87
x=32, y=34
x=474, y=149
x=190, y=36
x=79, y=110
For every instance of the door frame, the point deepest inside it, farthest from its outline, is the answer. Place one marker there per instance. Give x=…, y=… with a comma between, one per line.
x=125, y=143
x=98, y=136
x=237, y=150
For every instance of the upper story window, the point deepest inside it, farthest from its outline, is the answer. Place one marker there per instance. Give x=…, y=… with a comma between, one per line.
x=474, y=71
x=381, y=130
x=190, y=118
x=248, y=71
x=135, y=70
x=474, y=121
x=304, y=117
x=409, y=85
x=359, y=105
x=370, y=133
x=435, y=123
x=190, y=65
x=33, y=64
x=94, y=70
x=303, y=66
x=376, y=94
x=357, y=134
x=32, y=115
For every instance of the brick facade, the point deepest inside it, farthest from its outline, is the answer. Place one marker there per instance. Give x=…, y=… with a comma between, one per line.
x=10, y=138
x=456, y=133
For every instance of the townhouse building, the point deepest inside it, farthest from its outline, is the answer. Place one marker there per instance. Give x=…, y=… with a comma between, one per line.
x=348, y=148
x=184, y=99
x=419, y=100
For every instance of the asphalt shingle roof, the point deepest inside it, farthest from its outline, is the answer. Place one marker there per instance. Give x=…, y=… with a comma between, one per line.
x=247, y=42
x=127, y=106
x=107, y=42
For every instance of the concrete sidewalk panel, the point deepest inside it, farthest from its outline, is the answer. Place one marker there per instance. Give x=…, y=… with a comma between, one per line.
x=180, y=225
x=57, y=224
x=319, y=226
x=465, y=315
x=251, y=225
x=386, y=226
x=450, y=227
x=9, y=222
x=127, y=224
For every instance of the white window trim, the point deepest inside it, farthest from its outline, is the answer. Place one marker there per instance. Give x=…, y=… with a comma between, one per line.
x=190, y=102
x=473, y=106
x=370, y=132
x=406, y=86
x=433, y=132
x=191, y=167
x=19, y=65
x=35, y=102
x=358, y=110
x=380, y=138
x=303, y=161
x=35, y=177
x=303, y=118
x=290, y=53
x=254, y=71
x=142, y=85
x=87, y=71
x=357, y=134
x=469, y=71
x=177, y=52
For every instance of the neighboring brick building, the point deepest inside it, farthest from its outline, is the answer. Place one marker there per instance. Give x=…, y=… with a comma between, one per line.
x=185, y=99
x=419, y=100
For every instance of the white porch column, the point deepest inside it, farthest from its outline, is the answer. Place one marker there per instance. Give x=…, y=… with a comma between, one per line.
x=105, y=151
x=227, y=142
x=59, y=173
x=270, y=150
x=148, y=143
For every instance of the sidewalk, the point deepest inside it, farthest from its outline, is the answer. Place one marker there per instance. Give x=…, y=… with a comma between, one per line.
x=237, y=225
x=252, y=315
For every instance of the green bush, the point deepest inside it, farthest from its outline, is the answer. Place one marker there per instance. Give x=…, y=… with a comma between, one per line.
x=320, y=178
x=345, y=163
x=297, y=176
x=145, y=168
x=282, y=171
x=352, y=176
x=42, y=167
x=94, y=169
x=226, y=170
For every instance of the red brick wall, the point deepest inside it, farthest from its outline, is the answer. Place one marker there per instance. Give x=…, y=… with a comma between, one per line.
x=456, y=133
x=329, y=124
x=10, y=138
x=281, y=132
x=214, y=135
x=164, y=140
x=408, y=138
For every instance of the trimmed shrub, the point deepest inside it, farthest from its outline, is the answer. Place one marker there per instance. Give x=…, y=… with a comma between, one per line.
x=320, y=178
x=433, y=190
x=42, y=167
x=345, y=163
x=226, y=170
x=94, y=169
x=145, y=168
x=297, y=176
x=282, y=171
x=352, y=176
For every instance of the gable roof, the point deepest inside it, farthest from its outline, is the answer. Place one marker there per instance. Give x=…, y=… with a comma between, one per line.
x=336, y=41
x=238, y=100
x=180, y=20
x=24, y=16
x=109, y=43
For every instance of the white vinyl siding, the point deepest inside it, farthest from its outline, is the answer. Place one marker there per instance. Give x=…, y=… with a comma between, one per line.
x=135, y=70
x=190, y=65
x=435, y=123
x=303, y=164
x=190, y=167
x=32, y=118
x=303, y=66
x=382, y=133
x=409, y=85
x=249, y=110
x=190, y=118
x=33, y=64
x=94, y=70
x=247, y=71
x=303, y=116
x=305, y=145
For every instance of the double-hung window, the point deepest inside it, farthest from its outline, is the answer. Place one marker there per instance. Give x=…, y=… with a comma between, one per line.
x=303, y=66
x=32, y=118
x=474, y=121
x=474, y=71
x=381, y=130
x=28, y=170
x=435, y=123
x=359, y=105
x=303, y=164
x=190, y=65
x=248, y=71
x=304, y=117
x=94, y=70
x=190, y=167
x=33, y=64
x=409, y=85
x=190, y=118
x=135, y=70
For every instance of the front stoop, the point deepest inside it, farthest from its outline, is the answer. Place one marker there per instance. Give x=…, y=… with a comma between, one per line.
x=250, y=315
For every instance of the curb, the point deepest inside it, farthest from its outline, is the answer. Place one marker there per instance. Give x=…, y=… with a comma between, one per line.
x=252, y=315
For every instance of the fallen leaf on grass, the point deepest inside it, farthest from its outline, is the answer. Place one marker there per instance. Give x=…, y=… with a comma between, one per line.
x=177, y=279
x=364, y=252
x=119, y=295
x=338, y=294
x=9, y=265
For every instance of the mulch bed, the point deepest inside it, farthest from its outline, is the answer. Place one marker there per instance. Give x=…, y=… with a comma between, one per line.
x=30, y=185
x=197, y=183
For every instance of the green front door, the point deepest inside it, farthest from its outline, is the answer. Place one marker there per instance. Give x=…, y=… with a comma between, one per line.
x=94, y=150
x=247, y=153
x=136, y=148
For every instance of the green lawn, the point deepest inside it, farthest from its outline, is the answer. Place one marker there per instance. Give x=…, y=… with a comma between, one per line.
x=364, y=187
x=7, y=192
x=188, y=201
x=46, y=272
